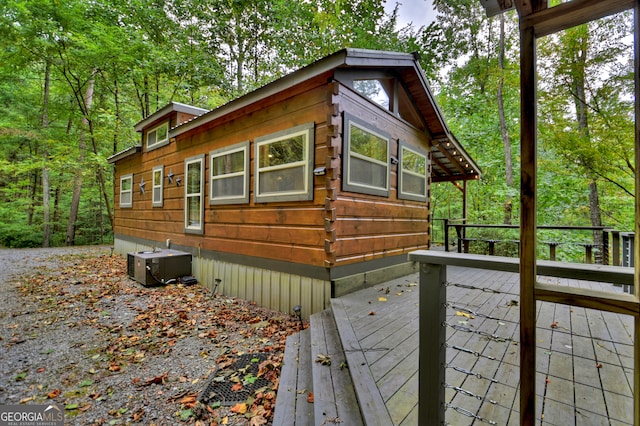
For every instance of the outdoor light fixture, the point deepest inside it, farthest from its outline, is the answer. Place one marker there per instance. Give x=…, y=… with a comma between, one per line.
x=394, y=160
x=216, y=283
x=298, y=311
x=178, y=181
x=142, y=184
x=320, y=171
x=170, y=176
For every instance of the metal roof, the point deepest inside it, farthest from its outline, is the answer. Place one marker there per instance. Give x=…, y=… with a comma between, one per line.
x=451, y=161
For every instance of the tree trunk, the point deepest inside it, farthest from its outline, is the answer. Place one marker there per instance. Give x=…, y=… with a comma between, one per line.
x=582, y=115
x=506, y=140
x=77, y=181
x=75, y=198
x=46, y=199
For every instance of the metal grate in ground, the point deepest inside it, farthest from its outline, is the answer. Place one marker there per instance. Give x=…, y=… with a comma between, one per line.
x=220, y=387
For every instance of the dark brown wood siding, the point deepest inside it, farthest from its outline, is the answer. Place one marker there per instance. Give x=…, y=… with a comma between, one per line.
x=286, y=231
x=367, y=227
x=335, y=228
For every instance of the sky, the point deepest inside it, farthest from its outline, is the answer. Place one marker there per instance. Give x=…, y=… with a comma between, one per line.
x=419, y=12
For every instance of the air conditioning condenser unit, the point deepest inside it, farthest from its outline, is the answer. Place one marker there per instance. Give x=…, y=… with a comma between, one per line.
x=158, y=267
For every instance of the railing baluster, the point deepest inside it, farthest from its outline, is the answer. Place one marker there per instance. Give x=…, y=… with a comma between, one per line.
x=432, y=334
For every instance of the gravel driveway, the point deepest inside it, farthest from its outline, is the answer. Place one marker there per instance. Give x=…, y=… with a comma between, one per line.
x=76, y=331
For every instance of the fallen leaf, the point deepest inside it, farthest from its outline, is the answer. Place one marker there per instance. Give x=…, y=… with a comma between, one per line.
x=54, y=393
x=239, y=408
x=158, y=380
x=598, y=365
x=257, y=421
x=236, y=387
x=323, y=359
x=382, y=299
x=372, y=313
x=310, y=397
x=41, y=370
x=554, y=324
x=464, y=314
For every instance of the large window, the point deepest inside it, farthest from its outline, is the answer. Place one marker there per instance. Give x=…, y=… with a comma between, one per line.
x=157, y=180
x=126, y=191
x=366, y=158
x=412, y=174
x=284, y=165
x=230, y=175
x=158, y=136
x=194, y=194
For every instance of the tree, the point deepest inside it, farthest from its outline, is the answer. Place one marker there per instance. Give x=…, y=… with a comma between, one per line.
x=588, y=112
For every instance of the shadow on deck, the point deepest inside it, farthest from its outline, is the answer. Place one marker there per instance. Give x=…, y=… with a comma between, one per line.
x=584, y=373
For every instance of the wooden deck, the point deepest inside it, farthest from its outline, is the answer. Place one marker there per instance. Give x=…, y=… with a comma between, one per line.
x=585, y=357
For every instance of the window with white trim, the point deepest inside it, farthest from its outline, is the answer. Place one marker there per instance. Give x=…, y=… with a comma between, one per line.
x=412, y=173
x=194, y=194
x=158, y=136
x=229, y=175
x=284, y=165
x=366, y=158
x=157, y=186
x=126, y=191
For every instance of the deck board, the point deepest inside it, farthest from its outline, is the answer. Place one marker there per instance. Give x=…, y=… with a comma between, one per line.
x=571, y=342
x=285, y=409
x=304, y=410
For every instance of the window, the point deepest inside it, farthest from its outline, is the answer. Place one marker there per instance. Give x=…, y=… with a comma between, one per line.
x=376, y=90
x=193, y=194
x=284, y=165
x=412, y=174
x=126, y=191
x=157, y=179
x=230, y=175
x=366, y=159
x=158, y=136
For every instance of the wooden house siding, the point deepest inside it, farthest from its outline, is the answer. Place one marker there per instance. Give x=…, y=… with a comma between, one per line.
x=368, y=227
x=286, y=231
x=304, y=246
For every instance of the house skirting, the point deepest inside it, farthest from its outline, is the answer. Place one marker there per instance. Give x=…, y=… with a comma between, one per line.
x=273, y=284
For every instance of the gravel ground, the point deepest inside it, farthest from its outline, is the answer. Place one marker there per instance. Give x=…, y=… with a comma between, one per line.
x=76, y=331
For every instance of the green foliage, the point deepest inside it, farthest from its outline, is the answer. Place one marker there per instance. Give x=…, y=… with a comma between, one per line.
x=139, y=55
x=568, y=158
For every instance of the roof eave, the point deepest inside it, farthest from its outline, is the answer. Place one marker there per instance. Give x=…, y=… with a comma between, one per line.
x=290, y=80
x=170, y=107
x=124, y=154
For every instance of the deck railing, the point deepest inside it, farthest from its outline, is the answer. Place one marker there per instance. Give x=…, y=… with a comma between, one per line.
x=456, y=230
x=433, y=301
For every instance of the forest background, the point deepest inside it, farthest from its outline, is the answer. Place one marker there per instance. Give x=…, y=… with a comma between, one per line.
x=76, y=75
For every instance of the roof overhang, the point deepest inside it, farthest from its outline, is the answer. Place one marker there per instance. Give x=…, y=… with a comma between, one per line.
x=124, y=154
x=170, y=107
x=406, y=65
x=495, y=7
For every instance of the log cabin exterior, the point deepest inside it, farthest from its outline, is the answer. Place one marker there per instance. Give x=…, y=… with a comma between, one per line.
x=308, y=188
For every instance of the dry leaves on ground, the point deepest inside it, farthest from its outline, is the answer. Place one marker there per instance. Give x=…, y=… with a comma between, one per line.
x=84, y=335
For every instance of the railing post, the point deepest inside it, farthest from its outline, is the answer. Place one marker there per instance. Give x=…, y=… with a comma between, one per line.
x=432, y=350
x=615, y=242
x=459, y=235
x=446, y=234
x=605, y=246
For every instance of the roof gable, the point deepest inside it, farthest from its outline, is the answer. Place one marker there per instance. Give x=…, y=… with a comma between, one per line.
x=456, y=163
x=166, y=111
